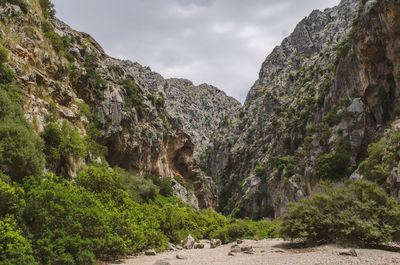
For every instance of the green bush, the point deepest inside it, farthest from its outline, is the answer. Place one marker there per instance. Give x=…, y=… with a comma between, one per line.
x=68, y=224
x=166, y=188
x=60, y=44
x=14, y=247
x=11, y=201
x=383, y=156
x=63, y=142
x=93, y=142
x=239, y=229
x=133, y=99
x=358, y=212
x=335, y=165
x=55, y=40
x=47, y=8
x=6, y=74
x=20, y=149
x=96, y=218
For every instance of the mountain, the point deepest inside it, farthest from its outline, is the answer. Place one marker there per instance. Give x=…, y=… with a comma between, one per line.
x=144, y=121
x=328, y=91
x=323, y=108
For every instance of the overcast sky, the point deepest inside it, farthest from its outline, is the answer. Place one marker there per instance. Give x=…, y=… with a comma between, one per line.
x=219, y=42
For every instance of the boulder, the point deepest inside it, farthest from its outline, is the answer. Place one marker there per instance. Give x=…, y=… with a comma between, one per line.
x=351, y=252
x=215, y=243
x=150, y=252
x=198, y=245
x=188, y=242
x=246, y=248
x=235, y=249
x=180, y=256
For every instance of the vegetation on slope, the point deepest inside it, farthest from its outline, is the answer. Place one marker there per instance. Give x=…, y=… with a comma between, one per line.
x=103, y=215
x=358, y=212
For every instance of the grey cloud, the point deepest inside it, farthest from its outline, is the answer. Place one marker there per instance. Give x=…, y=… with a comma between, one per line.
x=202, y=3
x=220, y=42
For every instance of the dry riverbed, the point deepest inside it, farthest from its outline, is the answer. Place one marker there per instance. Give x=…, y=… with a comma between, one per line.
x=275, y=251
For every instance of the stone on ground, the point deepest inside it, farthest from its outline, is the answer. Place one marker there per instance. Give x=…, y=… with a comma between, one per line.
x=215, y=243
x=188, y=242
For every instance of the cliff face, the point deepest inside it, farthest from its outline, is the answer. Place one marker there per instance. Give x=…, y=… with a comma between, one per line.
x=328, y=91
x=320, y=99
x=198, y=109
x=66, y=75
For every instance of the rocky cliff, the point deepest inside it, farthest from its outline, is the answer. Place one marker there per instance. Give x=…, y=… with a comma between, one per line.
x=198, y=109
x=321, y=98
x=143, y=120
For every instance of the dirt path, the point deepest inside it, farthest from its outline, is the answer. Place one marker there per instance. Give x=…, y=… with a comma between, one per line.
x=269, y=252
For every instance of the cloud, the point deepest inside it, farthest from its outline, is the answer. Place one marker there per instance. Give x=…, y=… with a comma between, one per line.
x=220, y=42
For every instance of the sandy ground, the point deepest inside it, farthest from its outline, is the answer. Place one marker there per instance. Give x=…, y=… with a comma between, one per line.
x=275, y=251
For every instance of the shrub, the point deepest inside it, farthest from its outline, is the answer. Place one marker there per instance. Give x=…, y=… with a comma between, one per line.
x=11, y=201
x=6, y=74
x=63, y=142
x=95, y=80
x=133, y=99
x=55, y=40
x=60, y=44
x=331, y=118
x=335, y=165
x=358, y=212
x=68, y=224
x=93, y=142
x=166, y=188
x=231, y=232
x=47, y=8
x=14, y=247
x=20, y=149
x=383, y=156
x=260, y=171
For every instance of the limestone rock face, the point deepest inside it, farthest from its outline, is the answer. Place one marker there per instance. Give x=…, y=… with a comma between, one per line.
x=321, y=97
x=137, y=111
x=324, y=93
x=199, y=110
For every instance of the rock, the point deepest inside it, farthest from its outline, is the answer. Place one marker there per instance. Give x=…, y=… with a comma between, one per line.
x=162, y=262
x=180, y=256
x=198, y=245
x=235, y=249
x=188, y=242
x=239, y=241
x=246, y=248
x=248, y=252
x=178, y=247
x=205, y=108
x=150, y=252
x=231, y=254
x=215, y=243
x=182, y=192
x=171, y=246
x=13, y=11
x=351, y=252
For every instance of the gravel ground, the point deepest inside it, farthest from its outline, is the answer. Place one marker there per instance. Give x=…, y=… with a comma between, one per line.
x=275, y=251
